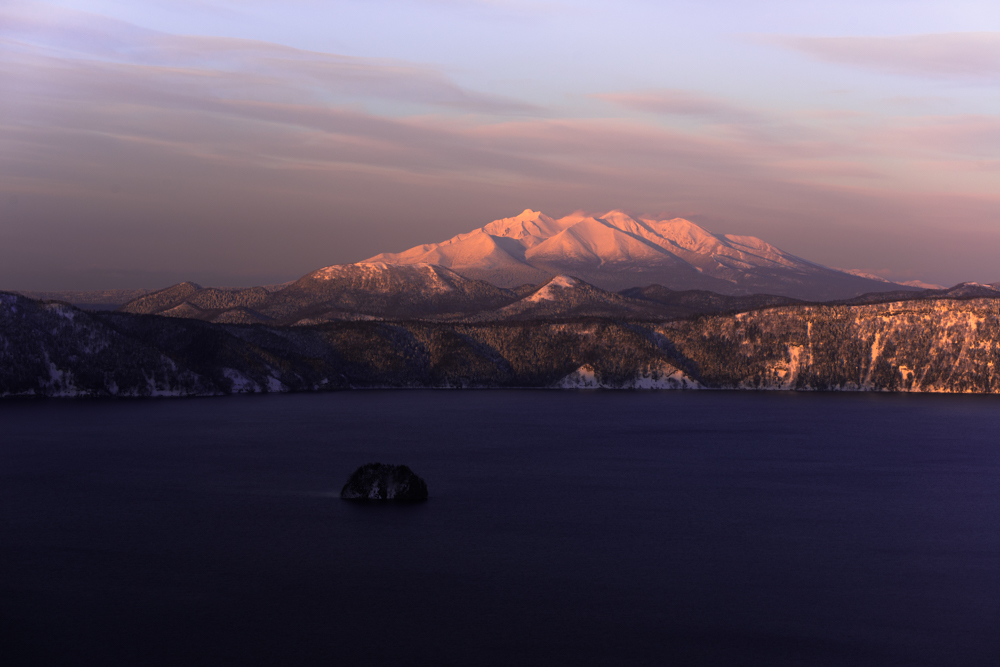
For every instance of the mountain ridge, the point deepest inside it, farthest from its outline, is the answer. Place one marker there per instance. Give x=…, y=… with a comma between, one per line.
x=425, y=291
x=615, y=251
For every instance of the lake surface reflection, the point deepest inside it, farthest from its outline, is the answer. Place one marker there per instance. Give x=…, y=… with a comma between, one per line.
x=563, y=527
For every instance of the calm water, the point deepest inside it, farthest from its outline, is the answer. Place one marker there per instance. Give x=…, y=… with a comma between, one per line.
x=564, y=528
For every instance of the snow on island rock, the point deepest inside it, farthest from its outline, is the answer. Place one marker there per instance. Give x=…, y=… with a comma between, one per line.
x=379, y=481
x=663, y=376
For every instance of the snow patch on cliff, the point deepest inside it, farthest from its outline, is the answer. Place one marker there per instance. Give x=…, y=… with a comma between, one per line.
x=662, y=376
x=241, y=383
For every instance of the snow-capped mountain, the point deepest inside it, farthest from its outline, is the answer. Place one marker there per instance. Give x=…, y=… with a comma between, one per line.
x=616, y=251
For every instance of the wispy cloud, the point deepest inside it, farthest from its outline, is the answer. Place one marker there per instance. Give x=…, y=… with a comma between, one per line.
x=680, y=103
x=963, y=55
x=64, y=108
x=298, y=73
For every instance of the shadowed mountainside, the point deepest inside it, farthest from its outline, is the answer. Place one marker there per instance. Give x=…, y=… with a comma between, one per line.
x=359, y=291
x=379, y=290
x=343, y=292
x=933, y=344
x=194, y=300
x=696, y=302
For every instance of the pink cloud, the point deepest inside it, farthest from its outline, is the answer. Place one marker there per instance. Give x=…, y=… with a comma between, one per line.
x=947, y=55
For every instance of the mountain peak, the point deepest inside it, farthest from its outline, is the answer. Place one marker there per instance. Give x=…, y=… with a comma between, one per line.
x=616, y=213
x=563, y=281
x=380, y=275
x=550, y=290
x=617, y=216
x=340, y=270
x=529, y=228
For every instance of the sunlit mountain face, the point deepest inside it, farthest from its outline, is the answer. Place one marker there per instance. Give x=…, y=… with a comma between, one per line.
x=617, y=251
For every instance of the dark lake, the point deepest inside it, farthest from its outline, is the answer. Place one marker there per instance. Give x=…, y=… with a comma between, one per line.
x=563, y=528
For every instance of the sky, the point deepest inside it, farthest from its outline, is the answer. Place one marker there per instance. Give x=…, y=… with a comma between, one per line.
x=241, y=143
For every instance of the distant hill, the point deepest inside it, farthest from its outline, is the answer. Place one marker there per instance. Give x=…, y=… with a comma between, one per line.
x=192, y=300
x=401, y=292
x=88, y=299
x=344, y=292
x=429, y=292
x=696, y=302
x=959, y=291
x=565, y=297
x=384, y=291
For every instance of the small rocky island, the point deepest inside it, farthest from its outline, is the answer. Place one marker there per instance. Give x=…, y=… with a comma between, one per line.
x=379, y=481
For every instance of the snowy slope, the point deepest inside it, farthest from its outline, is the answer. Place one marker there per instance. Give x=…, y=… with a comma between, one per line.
x=616, y=251
x=382, y=290
x=651, y=376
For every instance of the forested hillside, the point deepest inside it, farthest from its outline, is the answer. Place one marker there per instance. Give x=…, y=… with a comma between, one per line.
x=939, y=345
